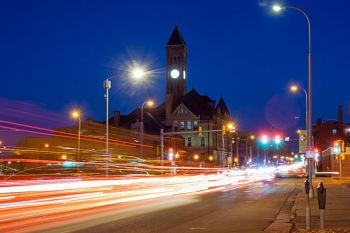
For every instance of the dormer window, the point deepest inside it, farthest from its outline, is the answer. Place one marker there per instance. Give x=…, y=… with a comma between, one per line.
x=334, y=132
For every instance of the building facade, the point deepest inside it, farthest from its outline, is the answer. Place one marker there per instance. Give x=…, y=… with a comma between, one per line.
x=186, y=113
x=325, y=134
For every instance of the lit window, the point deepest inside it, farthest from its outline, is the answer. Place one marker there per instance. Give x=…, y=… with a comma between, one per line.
x=182, y=125
x=334, y=132
x=202, y=141
x=189, y=125
x=176, y=125
x=195, y=125
x=189, y=141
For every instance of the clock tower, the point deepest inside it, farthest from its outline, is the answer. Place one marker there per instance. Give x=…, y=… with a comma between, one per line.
x=176, y=71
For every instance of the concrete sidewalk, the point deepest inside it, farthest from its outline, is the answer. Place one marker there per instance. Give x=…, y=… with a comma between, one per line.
x=337, y=213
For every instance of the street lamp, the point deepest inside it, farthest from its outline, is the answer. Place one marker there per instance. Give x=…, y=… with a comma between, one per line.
x=278, y=8
x=149, y=103
x=107, y=85
x=138, y=73
x=77, y=115
x=232, y=128
x=295, y=88
x=196, y=157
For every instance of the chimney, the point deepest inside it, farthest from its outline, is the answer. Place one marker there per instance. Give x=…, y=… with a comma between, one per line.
x=340, y=114
x=319, y=122
x=116, y=118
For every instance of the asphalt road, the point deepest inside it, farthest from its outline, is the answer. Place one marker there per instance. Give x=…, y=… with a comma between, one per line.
x=247, y=208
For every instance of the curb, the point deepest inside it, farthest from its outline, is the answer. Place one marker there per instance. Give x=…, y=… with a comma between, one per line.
x=283, y=220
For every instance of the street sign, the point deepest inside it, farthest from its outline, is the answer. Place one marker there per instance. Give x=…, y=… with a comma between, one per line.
x=309, y=154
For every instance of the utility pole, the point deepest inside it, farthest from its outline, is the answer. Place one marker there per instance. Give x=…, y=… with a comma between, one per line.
x=107, y=86
x=161, y=146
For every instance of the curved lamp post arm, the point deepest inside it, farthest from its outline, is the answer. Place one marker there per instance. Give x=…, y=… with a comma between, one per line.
x=308, y=22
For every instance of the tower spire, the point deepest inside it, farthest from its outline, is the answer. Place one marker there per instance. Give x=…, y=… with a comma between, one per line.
x=176, y=38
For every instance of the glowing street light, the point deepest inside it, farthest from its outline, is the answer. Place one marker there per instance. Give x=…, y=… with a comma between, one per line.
x=77, y=115
x=46, y=145
x=211, y=158
x=294, y=88
x=138, y=73
x=196, y=157
x=252, y=137
x=231, y=127
x=277, y=8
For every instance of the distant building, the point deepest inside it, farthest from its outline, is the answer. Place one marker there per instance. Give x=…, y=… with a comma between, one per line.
x=326, y=133
x=185, y=111
x=124, y=145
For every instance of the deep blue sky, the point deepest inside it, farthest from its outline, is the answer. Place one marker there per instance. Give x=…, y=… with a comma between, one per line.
x=56, y=54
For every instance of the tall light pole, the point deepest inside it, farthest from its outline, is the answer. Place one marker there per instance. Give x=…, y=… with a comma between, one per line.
x=107, y=85
x=278, y=8
x=149, y=103
x=77, y=115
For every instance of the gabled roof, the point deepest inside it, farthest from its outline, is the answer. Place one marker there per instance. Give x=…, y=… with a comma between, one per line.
x=200, y=105
x=176, y=38
x=222, y=106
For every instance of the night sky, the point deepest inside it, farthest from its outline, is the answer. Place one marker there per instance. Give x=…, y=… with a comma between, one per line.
x=54, y=55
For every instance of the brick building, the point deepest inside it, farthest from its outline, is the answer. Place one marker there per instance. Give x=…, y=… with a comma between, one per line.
x=325, y=134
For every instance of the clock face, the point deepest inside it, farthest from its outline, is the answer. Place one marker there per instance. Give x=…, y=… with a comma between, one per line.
x=174, y=73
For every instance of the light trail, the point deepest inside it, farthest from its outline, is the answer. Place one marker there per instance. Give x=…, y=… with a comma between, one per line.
x=56, y=133
x=28, y=203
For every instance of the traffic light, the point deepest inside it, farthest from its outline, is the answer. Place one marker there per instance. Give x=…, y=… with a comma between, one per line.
x=264, y=139
x=336, y=148
x=170, y=154
x=278, y=139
